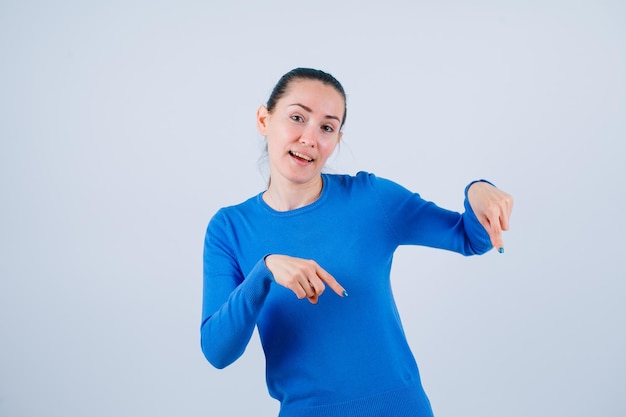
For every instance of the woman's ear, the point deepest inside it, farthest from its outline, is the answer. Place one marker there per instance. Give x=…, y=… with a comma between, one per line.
x=262, y=118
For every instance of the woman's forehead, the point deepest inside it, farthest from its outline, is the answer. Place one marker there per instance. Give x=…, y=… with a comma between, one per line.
x=313, y=93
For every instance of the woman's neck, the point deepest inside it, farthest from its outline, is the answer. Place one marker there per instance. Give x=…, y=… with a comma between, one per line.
x=290, y=196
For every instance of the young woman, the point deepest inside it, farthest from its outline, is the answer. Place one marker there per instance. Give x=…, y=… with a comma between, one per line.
x=341, y=354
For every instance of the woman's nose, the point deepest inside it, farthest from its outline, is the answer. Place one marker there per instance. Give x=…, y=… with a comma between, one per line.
x=308, y=136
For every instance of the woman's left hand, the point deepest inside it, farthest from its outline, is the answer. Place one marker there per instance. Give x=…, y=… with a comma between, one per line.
x=492, y=208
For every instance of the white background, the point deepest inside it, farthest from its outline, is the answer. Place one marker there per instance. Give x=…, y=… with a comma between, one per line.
x=125, y=125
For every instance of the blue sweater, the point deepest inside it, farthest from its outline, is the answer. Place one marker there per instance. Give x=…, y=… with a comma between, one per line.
x=343, y=356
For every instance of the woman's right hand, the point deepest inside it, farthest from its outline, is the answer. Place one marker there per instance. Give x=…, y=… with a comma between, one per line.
x=302, y=276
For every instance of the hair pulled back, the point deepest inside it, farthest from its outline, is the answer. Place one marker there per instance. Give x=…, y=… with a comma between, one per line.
x=297, y=74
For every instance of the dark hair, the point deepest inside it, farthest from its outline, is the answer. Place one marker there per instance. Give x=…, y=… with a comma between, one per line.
x=305, y=74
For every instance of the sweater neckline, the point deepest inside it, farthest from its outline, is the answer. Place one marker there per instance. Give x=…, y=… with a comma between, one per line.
x=301, y=210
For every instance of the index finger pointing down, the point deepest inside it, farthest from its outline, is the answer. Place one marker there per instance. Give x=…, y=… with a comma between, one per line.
x=332, y=282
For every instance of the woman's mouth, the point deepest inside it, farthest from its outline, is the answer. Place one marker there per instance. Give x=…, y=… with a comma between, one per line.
x=301, y=156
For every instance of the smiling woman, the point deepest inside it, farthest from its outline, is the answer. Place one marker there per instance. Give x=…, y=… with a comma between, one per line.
x=302, y=131
x=310, y=230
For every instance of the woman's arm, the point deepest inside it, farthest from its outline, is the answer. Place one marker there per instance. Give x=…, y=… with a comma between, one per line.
x=230, y=304
x=225, y=334
x=415, y=221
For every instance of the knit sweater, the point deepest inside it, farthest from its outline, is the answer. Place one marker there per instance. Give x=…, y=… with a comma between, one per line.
x=344, y=356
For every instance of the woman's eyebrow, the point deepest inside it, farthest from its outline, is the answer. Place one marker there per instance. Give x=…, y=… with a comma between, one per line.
x=330, y=116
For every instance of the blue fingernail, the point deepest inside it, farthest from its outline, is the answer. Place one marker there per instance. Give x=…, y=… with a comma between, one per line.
x=344, y=293
x=501, y=250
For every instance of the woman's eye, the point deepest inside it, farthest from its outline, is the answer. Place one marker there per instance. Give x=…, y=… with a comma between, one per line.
x=328, y=129
x=297, y=118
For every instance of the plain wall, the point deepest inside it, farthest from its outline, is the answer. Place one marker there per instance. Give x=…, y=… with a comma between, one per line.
x=124, y=126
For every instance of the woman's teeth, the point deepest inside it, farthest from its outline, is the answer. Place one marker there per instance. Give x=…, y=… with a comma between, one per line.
x=301, y=156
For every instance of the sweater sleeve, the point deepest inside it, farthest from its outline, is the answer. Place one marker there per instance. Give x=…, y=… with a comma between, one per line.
x=413, y=220
x=231, y=303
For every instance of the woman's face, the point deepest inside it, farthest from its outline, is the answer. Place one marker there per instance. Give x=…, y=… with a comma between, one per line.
x=302, y=131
